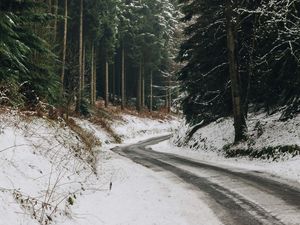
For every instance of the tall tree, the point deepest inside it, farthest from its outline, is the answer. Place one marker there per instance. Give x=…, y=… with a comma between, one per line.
x=64, y=45
x=238, y=114
x=80, y=61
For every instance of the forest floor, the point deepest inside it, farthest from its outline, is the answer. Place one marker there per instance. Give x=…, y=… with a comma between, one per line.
x=53, y=172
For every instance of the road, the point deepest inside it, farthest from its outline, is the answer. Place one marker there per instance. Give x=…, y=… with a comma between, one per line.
x=237, y=197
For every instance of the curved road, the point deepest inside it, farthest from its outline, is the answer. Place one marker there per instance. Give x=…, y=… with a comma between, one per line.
x=237, y=197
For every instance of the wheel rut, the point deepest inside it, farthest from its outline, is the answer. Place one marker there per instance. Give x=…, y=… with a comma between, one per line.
x=231, y=207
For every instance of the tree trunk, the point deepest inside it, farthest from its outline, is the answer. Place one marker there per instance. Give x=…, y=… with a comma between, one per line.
x=95, y=77
x=55, y=19
x=106, y=85
x=139, y=89
x=83, y=67
x=167, y=100
x=143, y=87
x=92, y=74
x=80, y=57
x=64, y=47
x=50, y=6
x=240, y=125
x=113, y=83
x=123, y=80
x=169, y=95
x=151, y=92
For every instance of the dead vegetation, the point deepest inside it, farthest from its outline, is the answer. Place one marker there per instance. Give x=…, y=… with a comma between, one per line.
x=69, y=150
x=115, y=112
x=87, y=138
x=105, y=124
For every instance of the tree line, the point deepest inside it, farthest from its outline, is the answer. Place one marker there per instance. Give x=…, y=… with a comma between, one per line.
x=72, y=52
x=239, y=56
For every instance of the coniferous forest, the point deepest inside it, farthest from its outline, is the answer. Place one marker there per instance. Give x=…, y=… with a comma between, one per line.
x=217, y=58
x=70, y=53
x=239, y=56
x=143, y=112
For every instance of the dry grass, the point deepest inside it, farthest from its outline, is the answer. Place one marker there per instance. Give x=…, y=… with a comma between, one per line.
x=88, y=138
x=105, y=124
x=115, y=112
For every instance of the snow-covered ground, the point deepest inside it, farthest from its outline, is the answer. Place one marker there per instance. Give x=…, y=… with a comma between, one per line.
x=139, y=196
x=133, y=129
x=49, y=176
x=289, y=169
x=264, y=131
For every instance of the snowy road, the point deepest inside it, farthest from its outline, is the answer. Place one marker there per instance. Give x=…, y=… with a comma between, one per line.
x=235, y=196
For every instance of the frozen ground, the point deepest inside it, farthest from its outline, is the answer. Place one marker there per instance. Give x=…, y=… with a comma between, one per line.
x=140, y=196
x=289, y=169
x=264, y=131
x=48, y=176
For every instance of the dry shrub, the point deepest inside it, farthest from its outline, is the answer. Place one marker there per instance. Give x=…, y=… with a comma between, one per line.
x=157, y=115
x=88, y=138
x=115, y=112
x=106, y=126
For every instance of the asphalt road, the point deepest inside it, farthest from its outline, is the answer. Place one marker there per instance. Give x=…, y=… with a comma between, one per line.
x=237, y=197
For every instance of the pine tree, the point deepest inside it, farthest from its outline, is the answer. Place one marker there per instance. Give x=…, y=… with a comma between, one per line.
x=23, y=52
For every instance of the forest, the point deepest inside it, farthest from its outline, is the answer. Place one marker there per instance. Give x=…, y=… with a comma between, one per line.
x=70, y=53
x=143, y=112
x=216, y=58
x=240, y=57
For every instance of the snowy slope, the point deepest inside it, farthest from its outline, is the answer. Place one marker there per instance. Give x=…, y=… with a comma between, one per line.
x=43, y=167
x=49, y=176
x=133, y=128
x=264, y=131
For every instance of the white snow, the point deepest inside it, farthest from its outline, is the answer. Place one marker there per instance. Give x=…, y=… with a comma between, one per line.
x=133, y=129
x=44, y=161
x=40, y=169
x=207, y=143
x=263, y=131
x=141, y=196
x=42, y=177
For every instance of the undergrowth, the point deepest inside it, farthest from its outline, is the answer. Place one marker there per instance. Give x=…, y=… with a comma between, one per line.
x=270, y=153
x=106, y=126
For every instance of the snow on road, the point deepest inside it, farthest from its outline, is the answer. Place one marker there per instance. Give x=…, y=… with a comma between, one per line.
x=39, y=156
x=263, y=131
x=39, y=164
x=289, y=169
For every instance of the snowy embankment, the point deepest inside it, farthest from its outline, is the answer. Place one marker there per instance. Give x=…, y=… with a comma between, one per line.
x=212, y=143
x=54, y=173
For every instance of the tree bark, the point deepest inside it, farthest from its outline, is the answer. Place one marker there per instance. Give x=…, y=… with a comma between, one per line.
x=169, y=94
x=139, y=89
x=80, y=57
x=55, y=19
x=240, y=125
x=92, y=74
x=113, y=83
x=50, y=6
x=167, y=100
x=64, y=47
x=143, y=87
x=83, y=66
x=95, y=77
x=106, y=84
x=123, y=80
x=151, y=92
